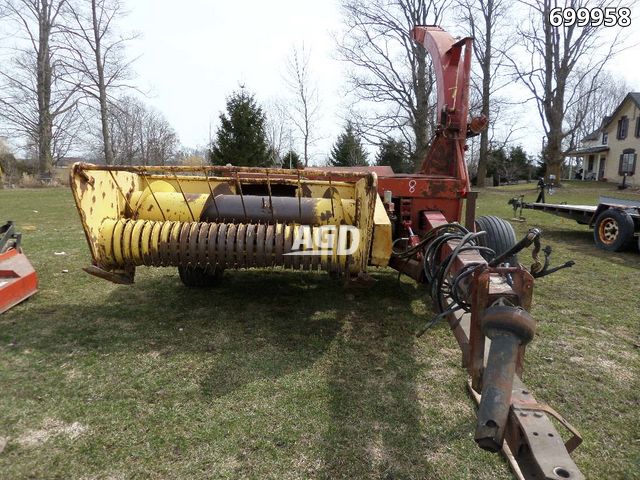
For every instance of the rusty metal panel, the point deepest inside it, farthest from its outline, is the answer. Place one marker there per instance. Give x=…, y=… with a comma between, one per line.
x=382, y=236
x=18, y=279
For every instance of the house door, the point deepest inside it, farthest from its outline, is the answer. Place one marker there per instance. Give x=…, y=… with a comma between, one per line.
x=601, y=168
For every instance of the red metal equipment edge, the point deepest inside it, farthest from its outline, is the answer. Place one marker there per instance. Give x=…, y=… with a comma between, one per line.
x=18, y=279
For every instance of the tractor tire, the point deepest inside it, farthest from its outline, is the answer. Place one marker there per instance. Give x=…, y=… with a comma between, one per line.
x=500, y=237
x=613, y=230
x=199, y=277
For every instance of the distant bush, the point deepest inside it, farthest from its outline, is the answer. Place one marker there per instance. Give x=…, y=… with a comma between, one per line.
x=61, y=176
x=29, y=181
x=14, y=169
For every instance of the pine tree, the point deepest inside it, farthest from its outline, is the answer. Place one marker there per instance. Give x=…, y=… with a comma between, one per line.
x=348, y=150
x=292, y=160
x=241, y=139
x=393, y=153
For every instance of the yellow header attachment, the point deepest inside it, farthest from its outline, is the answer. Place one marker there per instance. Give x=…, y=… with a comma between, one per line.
x=229, y=217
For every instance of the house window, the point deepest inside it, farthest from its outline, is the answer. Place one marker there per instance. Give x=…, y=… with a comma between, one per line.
x=627, y=162
x=591, y=160
x=605, y=137
x=623, y=127
x=638, y=127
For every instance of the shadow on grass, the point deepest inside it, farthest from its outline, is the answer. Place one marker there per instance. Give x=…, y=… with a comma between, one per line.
x=376, y=429
x=256, y=324
x=581, y=243
x=260, y=326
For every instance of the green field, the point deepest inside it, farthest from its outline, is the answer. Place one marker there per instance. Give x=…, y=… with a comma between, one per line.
x=289, y=375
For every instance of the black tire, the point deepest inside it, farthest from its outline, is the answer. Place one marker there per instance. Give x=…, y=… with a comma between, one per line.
x=613, y=230
x=199, y=277
x=500, y=236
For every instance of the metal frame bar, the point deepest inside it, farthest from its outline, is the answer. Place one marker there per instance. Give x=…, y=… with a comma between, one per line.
x=193, y=218
x=532, y=442
x=255, y=172
x=8, y=233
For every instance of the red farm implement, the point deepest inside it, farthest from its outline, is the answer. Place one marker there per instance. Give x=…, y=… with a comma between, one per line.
x=204, y=220
x=18, y=279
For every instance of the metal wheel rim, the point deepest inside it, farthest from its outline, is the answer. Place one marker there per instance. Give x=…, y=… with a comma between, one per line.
x=609, y=231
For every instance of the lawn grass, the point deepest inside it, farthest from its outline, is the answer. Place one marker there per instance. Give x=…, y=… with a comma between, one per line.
x=288, y=375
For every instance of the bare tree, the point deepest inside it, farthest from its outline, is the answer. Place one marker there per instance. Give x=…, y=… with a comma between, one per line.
x=278, y=129
x=158, y=139
x=96, y=52
x=39, y=95
x=487, y=22
x=390, y=75
x=4, y=148
x=305, y=107
x=124, y=117
x=140, y=135
x=585, y=117
x=562, y=70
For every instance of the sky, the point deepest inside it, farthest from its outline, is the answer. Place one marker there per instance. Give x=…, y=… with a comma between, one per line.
x=192, y=54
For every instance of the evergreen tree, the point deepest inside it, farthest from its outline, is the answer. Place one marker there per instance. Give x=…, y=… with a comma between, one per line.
x=291, y=160
x=496, y=159
x=509, y=166
x=241, y=139
x=393, y=153
x=519, y=158
x=348, y=150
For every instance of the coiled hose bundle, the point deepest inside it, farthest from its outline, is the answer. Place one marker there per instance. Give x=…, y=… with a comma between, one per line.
x=444, y=287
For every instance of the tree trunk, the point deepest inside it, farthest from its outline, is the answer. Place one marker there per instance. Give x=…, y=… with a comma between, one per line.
x=481, y=176
x=486, y=96
x=45, y=158
x=553, y=158
x=306, y=147
x=421, y=112
x=553, y=103
x=45, y=129
x=102, y=89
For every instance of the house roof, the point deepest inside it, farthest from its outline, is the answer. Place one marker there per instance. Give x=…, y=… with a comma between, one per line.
x=584, y=151
x=592, y=136
x=595, y=135
x=633, y=96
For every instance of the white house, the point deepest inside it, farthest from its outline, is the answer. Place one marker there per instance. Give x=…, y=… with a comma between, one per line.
x=611, y=151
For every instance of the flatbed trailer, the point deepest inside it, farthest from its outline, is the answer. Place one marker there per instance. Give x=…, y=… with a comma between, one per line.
x=615, y=221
